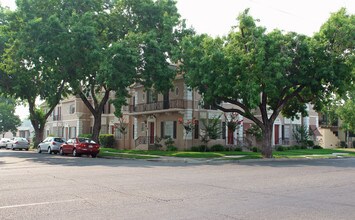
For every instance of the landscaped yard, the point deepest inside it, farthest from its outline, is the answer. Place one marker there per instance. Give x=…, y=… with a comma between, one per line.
x=229, y=155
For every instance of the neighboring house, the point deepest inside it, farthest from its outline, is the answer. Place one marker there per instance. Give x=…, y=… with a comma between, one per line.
x=333, y=134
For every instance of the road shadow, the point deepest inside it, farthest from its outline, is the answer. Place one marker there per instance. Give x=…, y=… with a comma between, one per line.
x=46, y=159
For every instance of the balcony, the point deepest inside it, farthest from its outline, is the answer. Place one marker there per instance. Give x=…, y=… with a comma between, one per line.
x=156, y=106
x=57, y=117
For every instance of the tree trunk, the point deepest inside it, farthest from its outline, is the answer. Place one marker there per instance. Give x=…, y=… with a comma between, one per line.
x=266, y=147
x=97, y=127
x=39, y=132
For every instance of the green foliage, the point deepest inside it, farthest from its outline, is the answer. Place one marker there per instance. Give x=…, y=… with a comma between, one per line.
x=217, y=148
x=85, y=135
x=301, y=135
x=256, y=132
x=238, y=149
x=8, y=120
x=270, y=71
x=171, y=148
x=211, y=129
x=317, y=147
x=310, y=143
x=343, y=144
x=255, y=149
x=107, y=140
x=280, y=148
x=201, y=148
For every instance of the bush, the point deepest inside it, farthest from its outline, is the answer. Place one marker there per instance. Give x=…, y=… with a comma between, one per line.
x=317, y=147
x=107, y=140
x=201, y=148
x=85, y=135
x=255, y=149
x=353, y=144
x=310, y=143
x=238, y=149
x=171, y=148
x=280, y=148
x=217, y=147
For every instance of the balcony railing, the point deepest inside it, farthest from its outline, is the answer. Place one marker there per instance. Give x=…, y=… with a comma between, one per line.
x=171, y=104
x=57, y=117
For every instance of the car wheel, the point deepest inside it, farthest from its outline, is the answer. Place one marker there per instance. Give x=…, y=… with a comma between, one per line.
x=55, y=152
x=61, y=152
x=12, y=147
x=75, y=153
x=49, y=151
x=39, y=150
x=26, y=149
x=93, y=155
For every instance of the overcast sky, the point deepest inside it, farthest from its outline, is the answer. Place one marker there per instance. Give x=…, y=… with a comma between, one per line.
x=216, y=17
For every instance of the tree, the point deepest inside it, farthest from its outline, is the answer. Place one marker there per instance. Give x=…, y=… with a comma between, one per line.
x=101, y=47
x=25, y=74
x=265, y=72
x=8, y=120
x=211, y=130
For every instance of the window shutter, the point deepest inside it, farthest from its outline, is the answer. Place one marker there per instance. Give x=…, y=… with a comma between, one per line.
x=162, y=129
x=223, y=130
x=174, y=130
x=197, y=130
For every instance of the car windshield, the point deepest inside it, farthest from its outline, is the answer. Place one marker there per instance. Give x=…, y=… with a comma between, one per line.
x=60, y=140
x=86, y=140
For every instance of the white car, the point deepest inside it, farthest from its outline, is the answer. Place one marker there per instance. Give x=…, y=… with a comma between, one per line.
x=18, y=143
x=50, y=145
x=3, y=142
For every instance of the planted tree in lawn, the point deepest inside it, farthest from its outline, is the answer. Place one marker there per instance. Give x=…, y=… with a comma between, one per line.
x=25, y=74
x=265, y=73
x=105, y=46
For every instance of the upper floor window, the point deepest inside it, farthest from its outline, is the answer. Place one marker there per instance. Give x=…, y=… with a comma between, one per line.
x=152, y=96
x=177, y=91
x=72, y=109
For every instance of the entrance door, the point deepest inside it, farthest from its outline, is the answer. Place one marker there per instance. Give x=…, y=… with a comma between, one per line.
x=230, y=136
x=276, y=134
x=151, y=133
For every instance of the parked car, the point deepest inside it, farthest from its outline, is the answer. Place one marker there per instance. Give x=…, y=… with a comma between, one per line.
x=18, y=143
x=50, y=145
x=79, y=146
x=3, y=142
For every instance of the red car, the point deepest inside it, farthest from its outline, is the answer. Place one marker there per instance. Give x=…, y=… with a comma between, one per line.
x=79, y=146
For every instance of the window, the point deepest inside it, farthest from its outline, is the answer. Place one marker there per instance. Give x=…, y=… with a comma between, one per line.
x=72, y=109
x=72, y=132
x=142, y=126
x=152, y=97
x=143, y=97
x=168, y=129
x=177, y=91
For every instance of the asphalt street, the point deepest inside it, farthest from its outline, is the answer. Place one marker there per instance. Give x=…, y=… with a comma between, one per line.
x=42, y=186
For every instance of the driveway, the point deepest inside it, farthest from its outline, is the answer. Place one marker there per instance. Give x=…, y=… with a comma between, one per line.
x=42, y=186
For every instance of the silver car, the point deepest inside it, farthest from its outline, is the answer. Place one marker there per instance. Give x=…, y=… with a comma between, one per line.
x=50, y=145
x=3, y=142
x=18, y=143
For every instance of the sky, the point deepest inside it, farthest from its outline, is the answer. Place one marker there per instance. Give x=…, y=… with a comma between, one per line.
x=216, y=17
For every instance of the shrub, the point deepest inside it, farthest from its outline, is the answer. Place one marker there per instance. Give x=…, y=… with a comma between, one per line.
x=217, y=147
x=255, y=149
x=353, y=144
x=310, y=143
x=107, y=140
x=280, y=148
x=85, y=135
x=317, y=147
x=201, y=148
x=171, y=148
x=238, y=149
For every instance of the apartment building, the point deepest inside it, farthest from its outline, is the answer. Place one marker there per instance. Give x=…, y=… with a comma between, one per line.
x=151, y=117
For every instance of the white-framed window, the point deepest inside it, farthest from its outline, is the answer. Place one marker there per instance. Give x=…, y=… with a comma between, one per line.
x=72, y=109
x=168, y=129
x=143, y=126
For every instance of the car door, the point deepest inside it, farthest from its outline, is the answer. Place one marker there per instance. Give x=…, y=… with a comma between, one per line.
x=43, y=144
x=67, y=148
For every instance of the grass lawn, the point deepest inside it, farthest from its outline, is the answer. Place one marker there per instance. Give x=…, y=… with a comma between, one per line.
x=228, y=155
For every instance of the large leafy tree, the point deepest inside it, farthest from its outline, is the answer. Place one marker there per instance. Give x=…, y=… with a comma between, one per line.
x=266, y=73
x=101, y=47
x=95, y=48
x=8, y=120
x=25, y=72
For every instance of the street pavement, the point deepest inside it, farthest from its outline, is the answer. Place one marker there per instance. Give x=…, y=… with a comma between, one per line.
x=42, y=186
